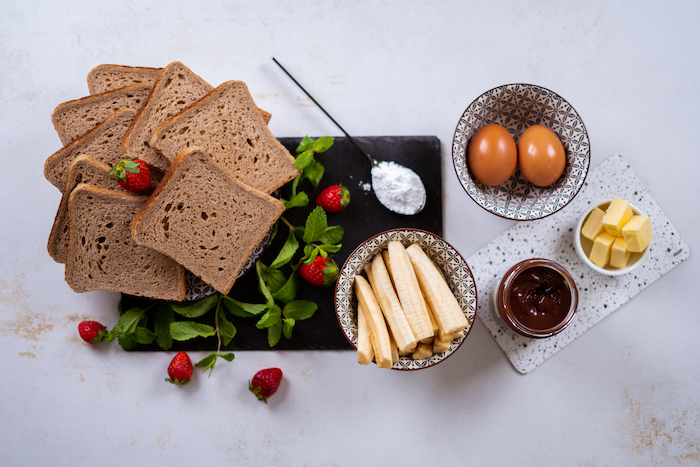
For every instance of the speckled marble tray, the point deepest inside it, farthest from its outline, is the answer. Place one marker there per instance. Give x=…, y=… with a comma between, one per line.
x=552, y=238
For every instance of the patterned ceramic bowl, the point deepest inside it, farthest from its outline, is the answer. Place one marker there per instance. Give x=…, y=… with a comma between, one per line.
x=455, y=269
x=516, y=107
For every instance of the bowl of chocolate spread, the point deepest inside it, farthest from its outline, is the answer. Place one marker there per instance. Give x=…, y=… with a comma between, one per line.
x=535, y=298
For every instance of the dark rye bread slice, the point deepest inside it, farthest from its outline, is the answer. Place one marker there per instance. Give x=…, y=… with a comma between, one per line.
x=105, y=78
x=102, y=143
x=226, y=124
x=84, y=169
x=103, y=256
x=175, y=88
x=204, y=219
x=73, y=119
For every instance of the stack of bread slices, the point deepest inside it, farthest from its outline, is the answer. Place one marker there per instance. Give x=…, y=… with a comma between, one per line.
x=214, y=164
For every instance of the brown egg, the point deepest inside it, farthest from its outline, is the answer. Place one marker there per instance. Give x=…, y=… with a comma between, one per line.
x=541, y=155
x=492, y=155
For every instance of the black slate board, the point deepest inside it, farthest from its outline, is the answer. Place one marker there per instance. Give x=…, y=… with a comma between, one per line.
x=363, y=218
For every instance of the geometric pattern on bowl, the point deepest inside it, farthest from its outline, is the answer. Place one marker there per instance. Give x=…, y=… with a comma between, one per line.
x=458, y=274
x=516, y=107
x=196, y=288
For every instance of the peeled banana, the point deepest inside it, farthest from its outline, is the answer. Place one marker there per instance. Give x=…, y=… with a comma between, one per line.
x=380, y=334
x=365, y=351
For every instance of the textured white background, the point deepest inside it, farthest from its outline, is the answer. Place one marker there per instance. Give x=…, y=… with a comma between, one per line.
x=625, y=393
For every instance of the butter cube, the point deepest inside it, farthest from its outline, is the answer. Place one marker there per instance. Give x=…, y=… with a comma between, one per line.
x=602, y=246
x=593, y=225
x=637, y=233
x=617, y=215
x=619, y=255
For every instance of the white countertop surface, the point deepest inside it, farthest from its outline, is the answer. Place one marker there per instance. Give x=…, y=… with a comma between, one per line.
x=627, y=392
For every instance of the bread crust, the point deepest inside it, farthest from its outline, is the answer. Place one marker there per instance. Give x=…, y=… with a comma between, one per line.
x=135, y=74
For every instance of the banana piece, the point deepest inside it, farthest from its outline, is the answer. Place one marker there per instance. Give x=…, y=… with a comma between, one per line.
x=365, y=352
x=448, y=313
x=408, y=291
x=389, y=302
x=408, y=351
x=380, y=334
x=422, y=351
x=394, y=349
x=443, y=344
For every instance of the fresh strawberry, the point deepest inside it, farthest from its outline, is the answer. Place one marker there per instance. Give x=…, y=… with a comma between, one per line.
x=322, y=272
x=265, y=383
x=180, y=369
x=92, y=332
x=334, y=198
x=132, y=174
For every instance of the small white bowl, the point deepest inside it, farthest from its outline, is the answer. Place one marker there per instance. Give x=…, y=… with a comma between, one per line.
x=583, y=245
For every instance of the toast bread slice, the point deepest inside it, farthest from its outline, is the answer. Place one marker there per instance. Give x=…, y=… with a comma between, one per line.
x=105, y=78
x=84, y=169
x=103, y=143
x=204, y=219
x=227, y=126
x=175, y=88
x=73, y=119
x=103, y=256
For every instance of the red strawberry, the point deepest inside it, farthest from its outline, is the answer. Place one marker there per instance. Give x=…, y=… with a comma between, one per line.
x=265, y=383
x=132, y=174
x=180, y=369
x=334, y=198
x=321, y=273
x=92, y=332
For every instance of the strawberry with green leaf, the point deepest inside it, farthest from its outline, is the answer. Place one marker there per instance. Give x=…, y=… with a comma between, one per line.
x=265, y=383
x=334, y=198
x=322, y=272
x=132, y=175
x=180, y=369
x=92, y=332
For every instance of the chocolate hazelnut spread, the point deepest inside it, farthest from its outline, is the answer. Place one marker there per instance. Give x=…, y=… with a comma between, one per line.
x=540, y=298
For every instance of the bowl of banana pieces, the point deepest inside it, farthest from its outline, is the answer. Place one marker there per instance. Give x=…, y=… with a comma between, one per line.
x=405, y=299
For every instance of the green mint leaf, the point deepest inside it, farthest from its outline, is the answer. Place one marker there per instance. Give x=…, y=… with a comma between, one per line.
x=287, y=326
x=196, y=309
x=289, y=290
x=227, y=356
x=329, y=249
x=314, y=172
x=262, y=286
x=206, y=361
x=287, y=252
x=274, y=333
x=298, y=201
x=126, y=342
x=143, y=336
x=300, y=309
x=323, y=144
x=184, y=330
x=305, y=144
x=270, y=318
x=333, y=234
x=304, y=159
x=274, y=278
x=127, y=322
x=243, y=310
x=316, y=225
x=161, y=326
x=226, y=328
x=312, y=256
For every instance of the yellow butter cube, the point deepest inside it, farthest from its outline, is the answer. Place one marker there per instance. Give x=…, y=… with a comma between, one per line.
x=617, y=215
x=637, y=233
x=593, y=225
x=619, y=255
x=602, y=246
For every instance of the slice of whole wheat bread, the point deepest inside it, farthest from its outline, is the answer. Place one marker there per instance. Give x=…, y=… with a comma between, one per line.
x=176, y=88
x=204, y=219
x=102, y=255
x=84, y=169
x=105, y=78
x=102, y=143
x=73, y=119
x=226, y=124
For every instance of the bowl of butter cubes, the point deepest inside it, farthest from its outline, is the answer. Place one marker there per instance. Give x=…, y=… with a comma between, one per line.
x=613, y=237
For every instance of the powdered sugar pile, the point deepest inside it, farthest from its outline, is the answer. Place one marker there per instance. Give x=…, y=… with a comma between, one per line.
x=398, y=188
